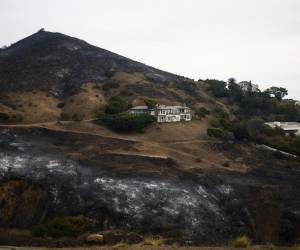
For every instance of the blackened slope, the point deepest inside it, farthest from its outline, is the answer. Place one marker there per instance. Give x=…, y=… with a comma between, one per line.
x=58, y=64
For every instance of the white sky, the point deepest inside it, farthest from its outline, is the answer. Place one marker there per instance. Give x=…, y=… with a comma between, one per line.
x=256, y=40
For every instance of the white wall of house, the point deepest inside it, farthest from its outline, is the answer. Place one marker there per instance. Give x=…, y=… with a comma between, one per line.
x=173, y=113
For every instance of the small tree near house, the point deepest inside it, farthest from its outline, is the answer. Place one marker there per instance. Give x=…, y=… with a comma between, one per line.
x=150, y=103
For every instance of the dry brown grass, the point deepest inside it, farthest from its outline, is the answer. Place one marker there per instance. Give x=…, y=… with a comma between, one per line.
x=38, y=106
x=186, y=148
x=31, y=106
x=84, y=104
x=241, y=242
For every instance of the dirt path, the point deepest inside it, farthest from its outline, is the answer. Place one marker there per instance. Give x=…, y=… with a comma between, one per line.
x=49, y=126
x=166, y=149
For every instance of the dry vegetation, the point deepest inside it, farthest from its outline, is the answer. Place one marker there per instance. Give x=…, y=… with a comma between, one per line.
x=149, y=247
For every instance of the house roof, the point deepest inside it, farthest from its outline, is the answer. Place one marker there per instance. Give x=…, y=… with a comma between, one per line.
x=159, y=107
x=140, y=108
x=172, y=107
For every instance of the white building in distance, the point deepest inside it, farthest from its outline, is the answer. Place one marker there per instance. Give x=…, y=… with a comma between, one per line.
x=164, y=113
x=288, y=127
x=249, y=86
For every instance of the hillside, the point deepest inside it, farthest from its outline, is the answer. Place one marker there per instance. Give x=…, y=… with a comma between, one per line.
x=50, y=76
x=64, y=175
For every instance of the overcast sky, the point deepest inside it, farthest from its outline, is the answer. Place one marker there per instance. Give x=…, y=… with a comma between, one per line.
x=256, y=40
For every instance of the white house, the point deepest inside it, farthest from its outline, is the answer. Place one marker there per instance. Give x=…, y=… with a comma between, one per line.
x=165, y=113
x=288, y=127
x=173, y=113
x=249, y=86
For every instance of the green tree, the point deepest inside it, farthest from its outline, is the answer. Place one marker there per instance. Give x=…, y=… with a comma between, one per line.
x=150, y=103
x=235, y=92
x=216, y=132
x=116, y=105
x=277, y=92
x=217, y=88
x=125, y=122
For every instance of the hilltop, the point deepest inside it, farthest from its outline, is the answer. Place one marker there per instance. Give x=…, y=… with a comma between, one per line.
x=51, y=76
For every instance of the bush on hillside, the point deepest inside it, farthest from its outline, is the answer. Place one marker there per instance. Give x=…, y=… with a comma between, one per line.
x=201, y=113
x=217, y=88
x=241, y=242
x=125, y=122
x=4, y=117
x=215, y=132
x=116, y=105
x=221, y=119
x=222, y=113
x=240, y=131
x=249, y=129
x=296, y=142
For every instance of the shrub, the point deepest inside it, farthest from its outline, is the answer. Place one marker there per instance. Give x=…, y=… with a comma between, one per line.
x=201, y=113
x=221, y=120
x=4, y=117
x=240, y=131
x=61, y=227
x=215, y=132
x=241, y=242
x=222, y=113
x=125, y=122
x=295, y=143
x=153, y=242
x=116, y=105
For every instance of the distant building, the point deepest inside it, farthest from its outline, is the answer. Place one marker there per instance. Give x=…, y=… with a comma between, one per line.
x=249, y=86
x=288, y=127
x=173, y=113
x=297, y=103
x=165, y=113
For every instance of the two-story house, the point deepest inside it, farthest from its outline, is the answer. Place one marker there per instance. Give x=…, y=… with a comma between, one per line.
x=164, y=113
x=173, y=113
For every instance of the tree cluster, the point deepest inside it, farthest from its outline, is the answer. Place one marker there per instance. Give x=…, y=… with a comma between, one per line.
x=268, y=105
x=252, y=110
x=116, y=117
